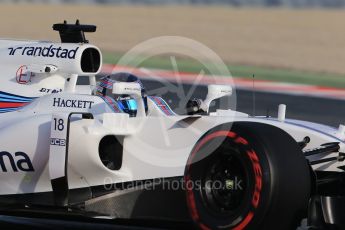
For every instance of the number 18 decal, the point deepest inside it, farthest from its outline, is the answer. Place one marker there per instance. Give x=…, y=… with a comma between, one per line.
x=59, y=124
x=58, y=145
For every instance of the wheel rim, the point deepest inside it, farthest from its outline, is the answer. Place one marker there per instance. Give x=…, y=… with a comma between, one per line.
x=225, y=182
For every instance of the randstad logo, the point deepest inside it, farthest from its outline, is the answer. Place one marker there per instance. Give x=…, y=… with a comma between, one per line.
x=39, y=51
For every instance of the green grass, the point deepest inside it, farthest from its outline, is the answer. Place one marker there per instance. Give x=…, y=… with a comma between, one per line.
x=261, y=73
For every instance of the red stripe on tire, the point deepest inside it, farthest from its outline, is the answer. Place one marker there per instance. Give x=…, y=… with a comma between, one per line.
x=245, y=221
x=207, y=139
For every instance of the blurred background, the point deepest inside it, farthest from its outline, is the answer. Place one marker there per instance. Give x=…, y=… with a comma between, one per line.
x=289, y=41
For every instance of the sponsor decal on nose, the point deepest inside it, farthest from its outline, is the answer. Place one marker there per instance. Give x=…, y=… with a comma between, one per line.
x=44, y=51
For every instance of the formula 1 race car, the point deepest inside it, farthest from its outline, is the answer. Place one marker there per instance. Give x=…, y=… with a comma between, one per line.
x=64, y=145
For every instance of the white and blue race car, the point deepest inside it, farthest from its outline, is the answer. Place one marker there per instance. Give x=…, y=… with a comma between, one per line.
x=109, y=148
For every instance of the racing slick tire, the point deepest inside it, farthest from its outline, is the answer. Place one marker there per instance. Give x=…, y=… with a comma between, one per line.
x=247, y=175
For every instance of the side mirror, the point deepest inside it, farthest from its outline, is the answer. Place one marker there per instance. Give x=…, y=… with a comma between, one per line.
x=132, y=89
x=215, y=92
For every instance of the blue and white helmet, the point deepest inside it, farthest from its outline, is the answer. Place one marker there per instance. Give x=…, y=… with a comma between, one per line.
x=104, y=88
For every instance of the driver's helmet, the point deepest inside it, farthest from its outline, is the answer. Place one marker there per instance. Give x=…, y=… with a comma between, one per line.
x=104, y=88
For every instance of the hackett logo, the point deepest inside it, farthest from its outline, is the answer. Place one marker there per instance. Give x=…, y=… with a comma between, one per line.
x=50, y=51
x=80, y=104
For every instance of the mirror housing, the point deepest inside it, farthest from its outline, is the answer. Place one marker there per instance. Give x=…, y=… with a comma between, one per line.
x=215, y=92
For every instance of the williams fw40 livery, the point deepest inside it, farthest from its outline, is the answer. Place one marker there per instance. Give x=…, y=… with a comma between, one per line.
x=107, y=149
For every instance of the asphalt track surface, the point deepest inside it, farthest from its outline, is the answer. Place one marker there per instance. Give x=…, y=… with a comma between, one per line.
x=321, y=110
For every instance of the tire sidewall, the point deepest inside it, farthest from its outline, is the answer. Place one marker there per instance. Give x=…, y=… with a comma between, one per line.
x=272, y=175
